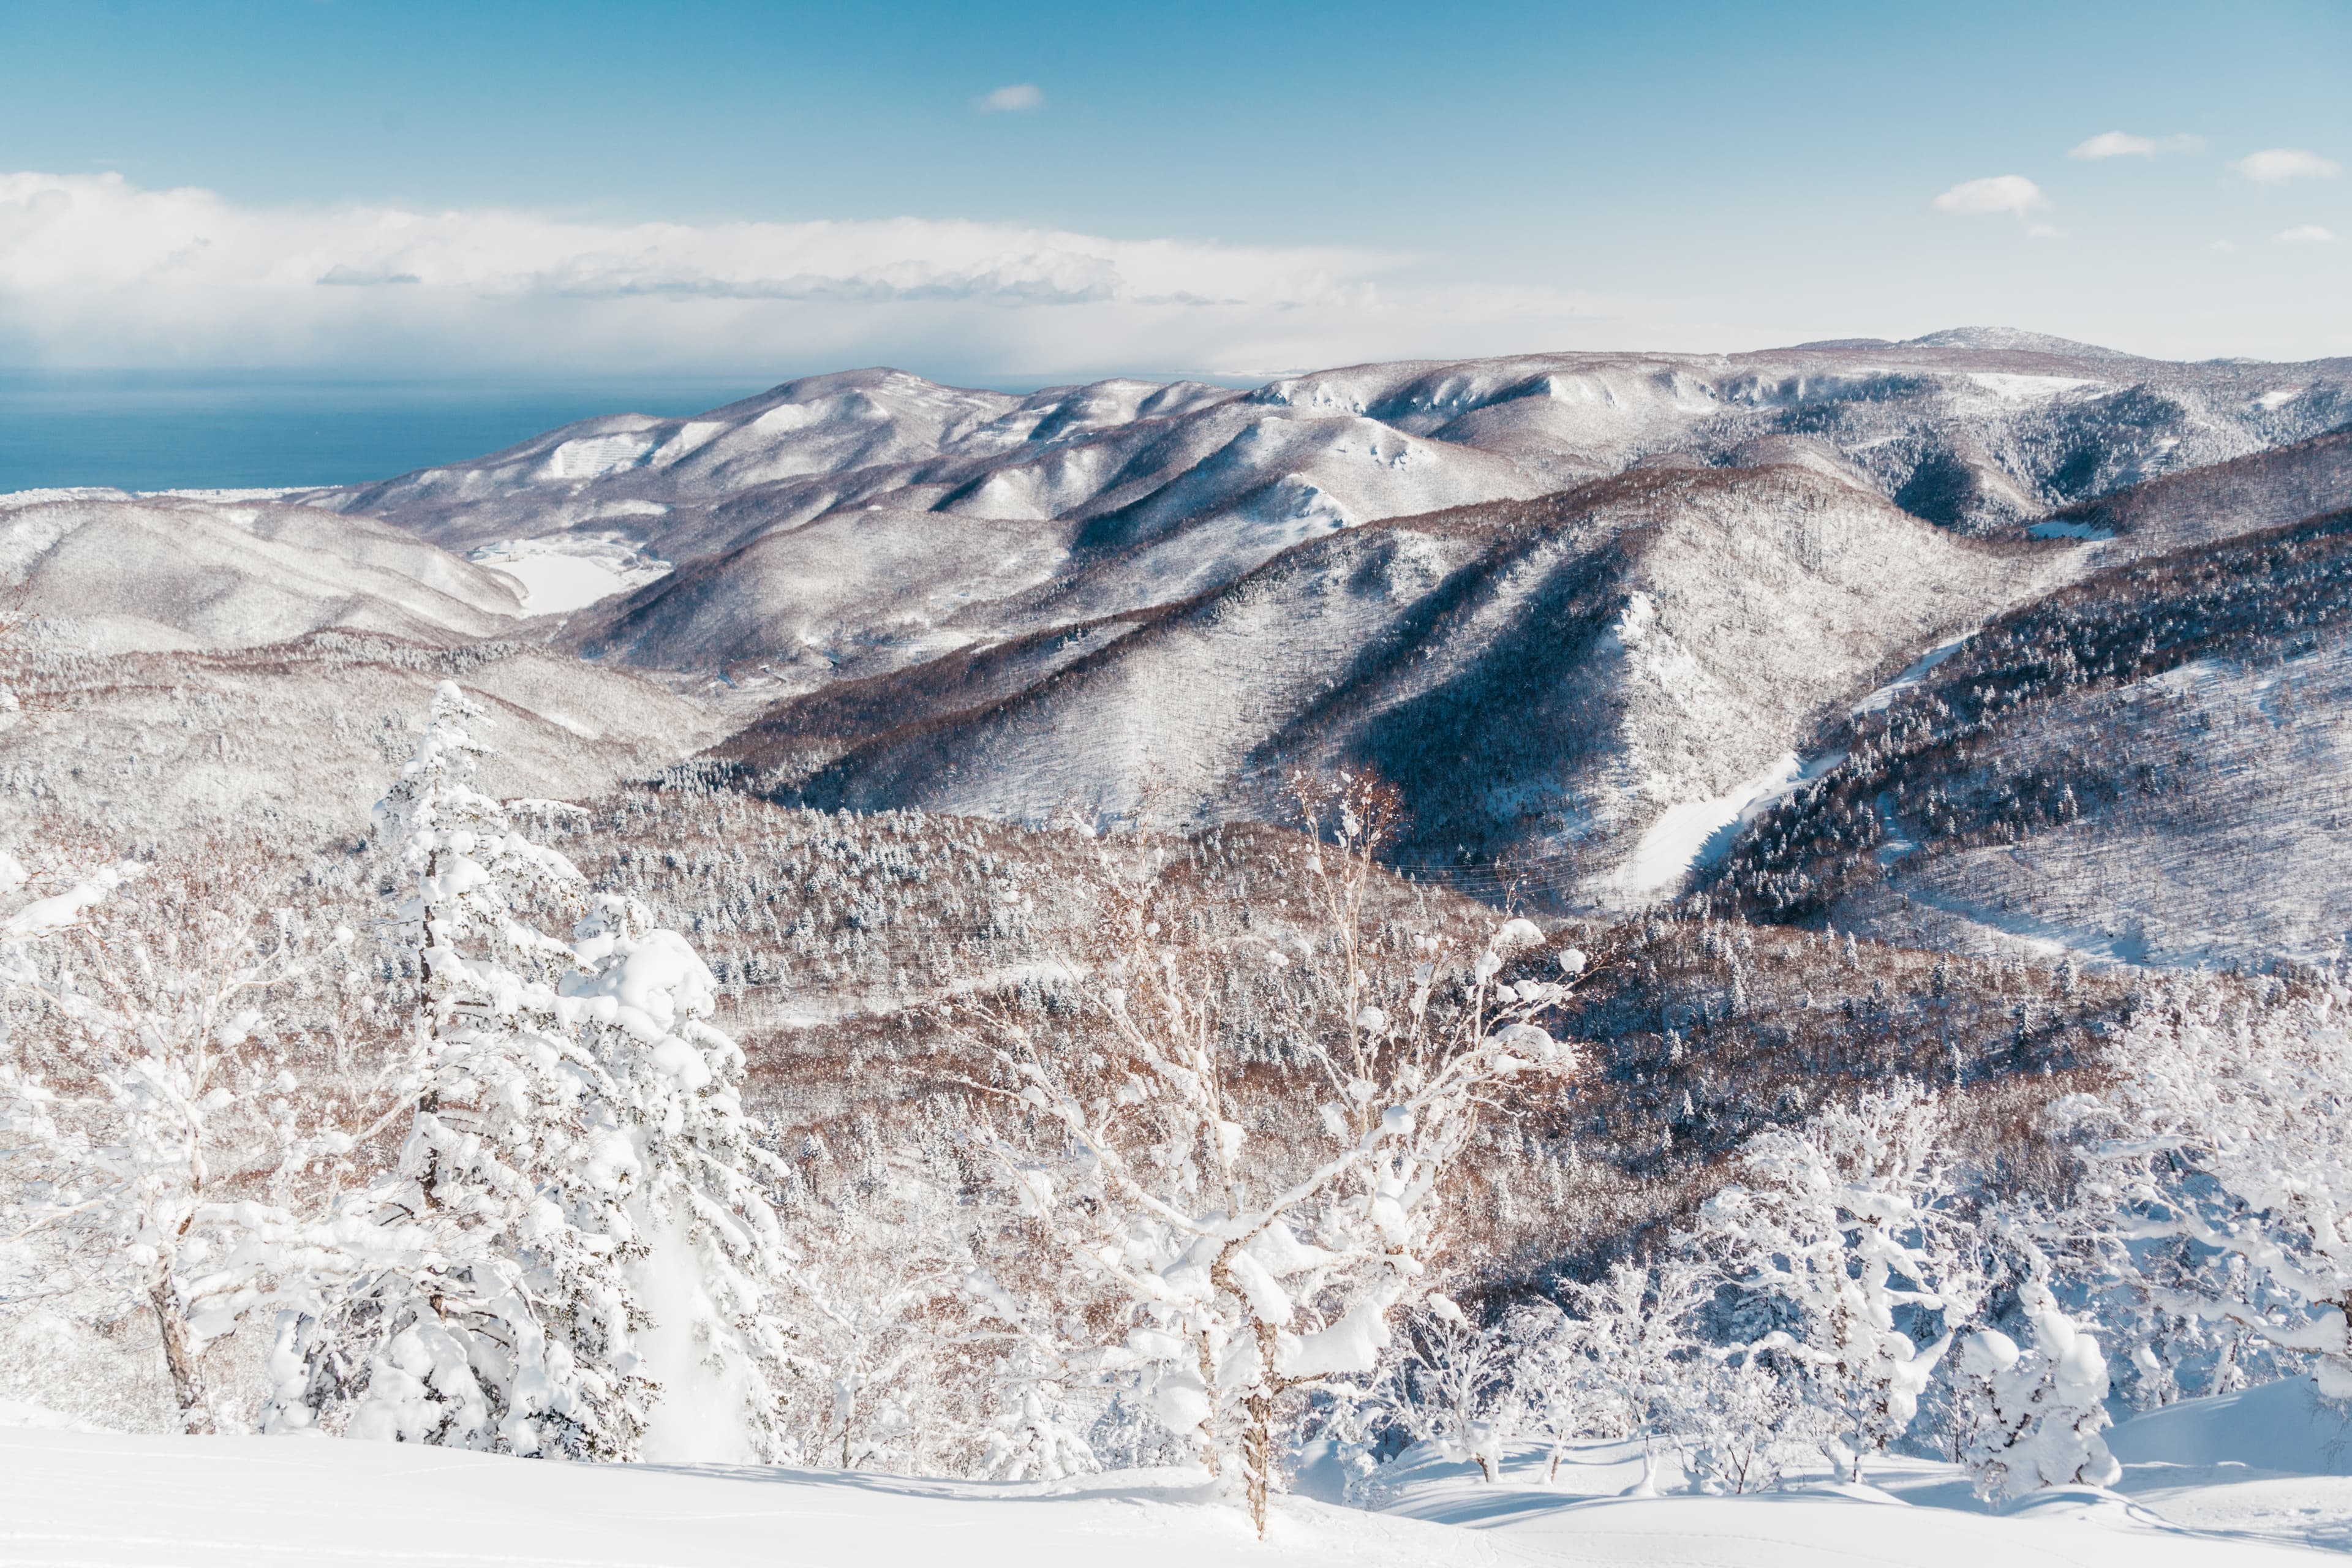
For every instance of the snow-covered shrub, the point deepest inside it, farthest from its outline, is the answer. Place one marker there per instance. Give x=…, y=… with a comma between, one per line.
x=2217, y=1177
x=1841, y=1241
x=1636, y=1349
x=1037, y=1430
x=893, y=1326
x=1748, y=1421
x=1547, y=1372
x=2047, y=1401
x=1453, y=1388
x=152, y=1131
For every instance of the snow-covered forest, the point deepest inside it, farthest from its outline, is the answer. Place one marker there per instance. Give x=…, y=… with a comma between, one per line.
x=1088, y=1150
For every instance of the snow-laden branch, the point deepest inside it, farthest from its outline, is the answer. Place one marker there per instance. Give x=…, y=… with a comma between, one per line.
x=2229, y=1132
x=1246, y=1272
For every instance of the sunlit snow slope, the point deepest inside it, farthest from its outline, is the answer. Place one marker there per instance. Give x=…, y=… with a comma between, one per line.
x=173, y=573
x=82, y=1500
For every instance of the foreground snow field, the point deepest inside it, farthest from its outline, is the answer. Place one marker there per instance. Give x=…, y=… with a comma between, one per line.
x=79, y=1498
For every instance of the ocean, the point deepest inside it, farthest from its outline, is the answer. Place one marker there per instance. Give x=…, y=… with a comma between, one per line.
x=153, y=431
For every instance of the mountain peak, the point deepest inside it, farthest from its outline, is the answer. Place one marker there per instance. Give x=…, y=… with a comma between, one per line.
x=2012, y=340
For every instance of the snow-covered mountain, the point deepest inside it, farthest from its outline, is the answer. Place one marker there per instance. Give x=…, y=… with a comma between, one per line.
x=1122, y=495
x=1098, y=594
x=171, y=572
x=1593, y=682
x=1965, y=427
x=1589, y=610
x=2151, y=766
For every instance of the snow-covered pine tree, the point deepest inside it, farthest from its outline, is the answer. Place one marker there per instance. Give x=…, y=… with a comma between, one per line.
x=712, y=1257
x=1037, y=1404
x=2048, y=1403
x=479, y=1296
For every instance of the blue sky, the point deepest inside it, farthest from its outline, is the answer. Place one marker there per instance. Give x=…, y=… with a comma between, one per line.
x=532, y=189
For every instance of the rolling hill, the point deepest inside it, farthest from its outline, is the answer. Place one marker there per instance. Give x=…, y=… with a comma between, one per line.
x=1557, y=680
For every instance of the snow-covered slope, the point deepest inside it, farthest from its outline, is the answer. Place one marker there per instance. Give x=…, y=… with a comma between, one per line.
x=83, y=1500
x=2264, y=489
x=1546, y=679
x=2153, y=765
x=136, y=750
x=177, y=573
x=189, y=663
x=863, y=589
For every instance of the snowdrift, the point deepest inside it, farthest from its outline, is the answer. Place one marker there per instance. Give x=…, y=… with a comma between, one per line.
x=88, y=1499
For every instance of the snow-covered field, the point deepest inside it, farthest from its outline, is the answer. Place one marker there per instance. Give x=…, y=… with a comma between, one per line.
x=77, y=1497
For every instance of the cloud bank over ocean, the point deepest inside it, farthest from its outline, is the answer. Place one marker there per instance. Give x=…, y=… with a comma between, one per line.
x=96, y=270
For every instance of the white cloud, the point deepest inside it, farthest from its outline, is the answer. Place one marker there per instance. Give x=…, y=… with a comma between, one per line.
x=1011, y=100
x=2304, y=234
x=2274, y=165
x=96, y=271
x=1999, y=194
x=2114, y=144
x=2123, y=144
